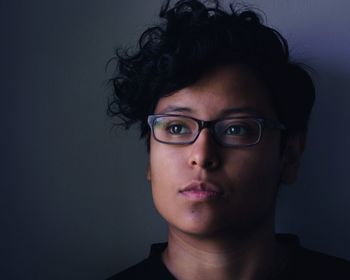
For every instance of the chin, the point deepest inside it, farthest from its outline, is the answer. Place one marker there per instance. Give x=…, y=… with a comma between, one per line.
x=218, y=226
x=198, y=231
x=201, y=227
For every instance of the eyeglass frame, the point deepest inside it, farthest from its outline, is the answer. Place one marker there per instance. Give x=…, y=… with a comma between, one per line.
x=262, y=122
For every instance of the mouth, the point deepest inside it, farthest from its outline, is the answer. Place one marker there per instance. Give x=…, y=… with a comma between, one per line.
x=201, y=191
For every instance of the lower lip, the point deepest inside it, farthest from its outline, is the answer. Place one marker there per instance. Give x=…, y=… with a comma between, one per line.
x=201, y=195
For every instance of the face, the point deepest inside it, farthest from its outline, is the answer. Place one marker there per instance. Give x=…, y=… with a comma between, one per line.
x=203, y=188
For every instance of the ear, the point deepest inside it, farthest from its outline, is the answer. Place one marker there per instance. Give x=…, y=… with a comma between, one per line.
x=291, y=157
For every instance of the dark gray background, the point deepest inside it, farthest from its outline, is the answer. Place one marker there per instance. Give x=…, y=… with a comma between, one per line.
x=75, y=203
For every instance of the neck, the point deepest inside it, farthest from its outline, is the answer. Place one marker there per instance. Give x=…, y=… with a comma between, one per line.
x=250, y=257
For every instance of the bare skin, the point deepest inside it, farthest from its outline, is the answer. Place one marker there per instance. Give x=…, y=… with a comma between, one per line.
x=231, y=236
x=256, y=257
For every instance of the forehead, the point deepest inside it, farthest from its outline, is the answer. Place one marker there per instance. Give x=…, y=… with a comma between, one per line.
x=224, y=91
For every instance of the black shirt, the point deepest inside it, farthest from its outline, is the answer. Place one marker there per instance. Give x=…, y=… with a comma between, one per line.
x=301, y=265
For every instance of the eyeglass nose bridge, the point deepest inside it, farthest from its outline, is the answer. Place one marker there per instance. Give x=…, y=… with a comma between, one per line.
x=210, y=126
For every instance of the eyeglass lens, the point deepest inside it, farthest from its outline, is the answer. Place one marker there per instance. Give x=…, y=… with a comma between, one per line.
x=230, y=132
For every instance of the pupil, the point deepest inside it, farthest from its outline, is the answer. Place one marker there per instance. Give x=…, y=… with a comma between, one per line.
x=234, y=130
x=176, y=129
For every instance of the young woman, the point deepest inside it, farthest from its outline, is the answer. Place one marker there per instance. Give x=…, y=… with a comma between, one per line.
x=224, y=112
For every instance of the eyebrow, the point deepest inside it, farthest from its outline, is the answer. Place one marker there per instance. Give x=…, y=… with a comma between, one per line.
x=228, y=111
x=172, y=108
x=249, y=110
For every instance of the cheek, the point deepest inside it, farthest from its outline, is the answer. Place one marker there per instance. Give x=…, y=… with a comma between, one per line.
x=253, y=188
x=164, y=173
x=165, y=178
x=165, y=162
x=255, y=176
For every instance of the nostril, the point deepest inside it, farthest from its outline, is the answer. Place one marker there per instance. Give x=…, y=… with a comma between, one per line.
x=209, y=164
x=195, y=162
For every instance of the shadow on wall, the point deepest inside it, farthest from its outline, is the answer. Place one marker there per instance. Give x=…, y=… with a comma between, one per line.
x=317, y=207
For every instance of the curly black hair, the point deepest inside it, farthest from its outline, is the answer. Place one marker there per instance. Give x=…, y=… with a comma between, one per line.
x=192, y=39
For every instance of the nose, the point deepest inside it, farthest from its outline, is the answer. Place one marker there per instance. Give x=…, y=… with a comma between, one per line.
x=204, y=152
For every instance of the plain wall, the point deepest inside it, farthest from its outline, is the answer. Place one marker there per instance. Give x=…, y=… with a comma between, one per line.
x=75, y=203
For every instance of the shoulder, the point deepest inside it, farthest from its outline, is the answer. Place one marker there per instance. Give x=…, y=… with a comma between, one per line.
x=305, y=264
x=137, y=271
x=315, y=265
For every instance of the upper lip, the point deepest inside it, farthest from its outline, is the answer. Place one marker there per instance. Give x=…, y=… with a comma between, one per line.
x=202, y=186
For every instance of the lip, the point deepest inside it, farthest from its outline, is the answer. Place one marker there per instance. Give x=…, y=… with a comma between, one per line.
x=201, y=191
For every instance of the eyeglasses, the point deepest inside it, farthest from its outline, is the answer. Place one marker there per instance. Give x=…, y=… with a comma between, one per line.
x=228, y=132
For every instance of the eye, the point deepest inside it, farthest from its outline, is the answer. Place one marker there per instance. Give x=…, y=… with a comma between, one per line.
x=239, y=130
x=178, y=129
